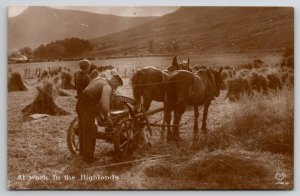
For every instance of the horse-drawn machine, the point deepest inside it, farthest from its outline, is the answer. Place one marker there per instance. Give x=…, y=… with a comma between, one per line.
x=126, y=134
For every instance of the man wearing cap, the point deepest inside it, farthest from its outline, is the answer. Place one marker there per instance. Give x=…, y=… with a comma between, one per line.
x=82, y=78
x=96, y=96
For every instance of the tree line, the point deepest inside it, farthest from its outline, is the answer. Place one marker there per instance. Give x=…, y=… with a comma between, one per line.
x=69, y=47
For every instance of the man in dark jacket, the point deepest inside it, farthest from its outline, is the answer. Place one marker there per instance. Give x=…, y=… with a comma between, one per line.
x=96, y=96
x=82, y=78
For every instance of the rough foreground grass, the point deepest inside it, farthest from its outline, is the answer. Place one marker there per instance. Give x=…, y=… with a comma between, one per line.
x=249, y=142
x=243, y=152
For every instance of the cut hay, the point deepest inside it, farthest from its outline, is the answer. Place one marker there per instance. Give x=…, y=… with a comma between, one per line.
x=158, y=170
x=16, y=83
x=44, y=102
x=226, y=170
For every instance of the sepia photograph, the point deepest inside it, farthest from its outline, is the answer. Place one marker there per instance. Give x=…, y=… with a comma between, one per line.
x=150, y=98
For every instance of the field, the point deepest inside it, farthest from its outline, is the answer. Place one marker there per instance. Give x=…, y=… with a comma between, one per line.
x=249, y=144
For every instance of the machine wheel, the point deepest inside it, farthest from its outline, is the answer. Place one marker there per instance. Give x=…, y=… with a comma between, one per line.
x=73, y=137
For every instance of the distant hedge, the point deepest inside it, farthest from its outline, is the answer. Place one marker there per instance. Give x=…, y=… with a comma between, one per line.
x=63, y=48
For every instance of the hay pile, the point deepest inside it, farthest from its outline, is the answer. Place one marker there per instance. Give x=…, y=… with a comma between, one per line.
x=66, y=80
x=226, y=170
x=274, y=81
x=44, y=102
x=16, y=83
x=258, y=82
x=158, y=170
x=237, y=87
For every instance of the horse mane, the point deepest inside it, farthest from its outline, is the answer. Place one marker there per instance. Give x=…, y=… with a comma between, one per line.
x=136, y=89
x=210, y=76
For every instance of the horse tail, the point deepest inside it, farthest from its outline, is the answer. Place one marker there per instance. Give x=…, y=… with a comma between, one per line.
x=137, y=90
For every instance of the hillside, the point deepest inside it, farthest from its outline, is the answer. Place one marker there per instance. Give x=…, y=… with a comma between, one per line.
x=37, y=25
x=205, y=29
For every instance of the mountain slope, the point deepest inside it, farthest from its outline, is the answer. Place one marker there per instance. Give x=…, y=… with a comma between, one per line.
x=38, y=25
x=205, y=29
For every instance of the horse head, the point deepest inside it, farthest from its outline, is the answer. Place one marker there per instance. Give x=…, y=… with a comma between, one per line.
x=185, y=65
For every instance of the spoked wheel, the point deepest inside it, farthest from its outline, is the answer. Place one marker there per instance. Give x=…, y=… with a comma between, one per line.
x=73, y=137
x=126, y=139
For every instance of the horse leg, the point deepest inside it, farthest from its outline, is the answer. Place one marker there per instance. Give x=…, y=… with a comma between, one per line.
x=146, y=106
x=163, y=129
x=203, y=128
x=167, y=118
x=165, y=122
x=179, y=110
x=196, y=129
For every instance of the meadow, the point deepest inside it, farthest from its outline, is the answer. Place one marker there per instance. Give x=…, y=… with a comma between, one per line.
x=248, y=145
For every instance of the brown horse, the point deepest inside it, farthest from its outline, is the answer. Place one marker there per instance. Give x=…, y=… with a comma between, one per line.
x=148, y=84
x=185, y=88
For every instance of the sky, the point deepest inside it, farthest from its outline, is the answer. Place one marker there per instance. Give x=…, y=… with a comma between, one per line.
x=120, y=11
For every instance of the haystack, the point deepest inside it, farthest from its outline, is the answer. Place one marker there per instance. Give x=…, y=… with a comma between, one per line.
x=258, y=82
x=237, y=87
x=16, y=83
x=44, y=102
x=66, y=80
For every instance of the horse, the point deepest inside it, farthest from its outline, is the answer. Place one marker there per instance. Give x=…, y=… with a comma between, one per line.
x=185, y=88
x=148, y=84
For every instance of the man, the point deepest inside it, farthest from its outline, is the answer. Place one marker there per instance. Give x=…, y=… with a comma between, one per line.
x=82, y=78
x=95, y=96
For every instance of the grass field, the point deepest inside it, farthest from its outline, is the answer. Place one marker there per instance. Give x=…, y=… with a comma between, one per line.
x=248, y=144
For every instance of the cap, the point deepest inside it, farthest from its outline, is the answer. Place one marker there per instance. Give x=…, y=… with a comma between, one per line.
x=84, y=64
x=119, y=78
